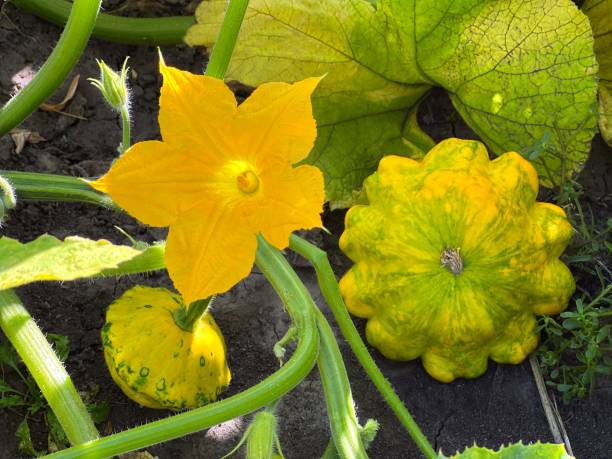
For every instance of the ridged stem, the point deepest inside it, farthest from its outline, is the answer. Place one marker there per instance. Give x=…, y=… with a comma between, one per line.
x=338, y=397
x=297, y=301
x=224, y=46
x=46, y=369
x=32, y=186
x=57, y=67
x=331, y=293
x=134, y=31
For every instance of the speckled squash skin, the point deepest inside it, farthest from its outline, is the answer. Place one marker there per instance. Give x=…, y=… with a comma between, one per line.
x=485, y=211
x=154, y=361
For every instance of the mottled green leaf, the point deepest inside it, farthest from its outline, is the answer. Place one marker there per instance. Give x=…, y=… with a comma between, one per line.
x=600, y=15
x=514, y=451
x=518, y=71
x=48, y=258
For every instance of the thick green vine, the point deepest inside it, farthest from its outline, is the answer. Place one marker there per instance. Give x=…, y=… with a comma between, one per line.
x=135, y=31
x=46, y=368
x=32, y=186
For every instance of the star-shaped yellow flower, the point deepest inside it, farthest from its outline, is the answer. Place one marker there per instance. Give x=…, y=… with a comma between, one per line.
x=222, y=174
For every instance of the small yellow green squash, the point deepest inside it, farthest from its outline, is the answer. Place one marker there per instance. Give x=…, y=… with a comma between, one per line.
x=154, y=361
x=454, y=257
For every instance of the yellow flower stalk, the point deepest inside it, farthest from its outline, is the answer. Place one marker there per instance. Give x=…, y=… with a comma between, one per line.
x=222, y=174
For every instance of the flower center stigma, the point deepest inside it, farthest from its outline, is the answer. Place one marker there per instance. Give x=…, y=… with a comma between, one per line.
x=247, y=182
x=451, y=260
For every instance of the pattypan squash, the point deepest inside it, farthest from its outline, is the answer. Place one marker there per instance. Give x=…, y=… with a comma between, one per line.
x=453, y=258
x=157, y=363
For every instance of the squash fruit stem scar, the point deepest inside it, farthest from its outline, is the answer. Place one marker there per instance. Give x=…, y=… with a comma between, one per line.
x=186, y=318
x=451, y=260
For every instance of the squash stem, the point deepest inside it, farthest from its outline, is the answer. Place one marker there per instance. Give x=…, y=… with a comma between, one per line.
x=187, y=317
x=133, y=31
x=336, y=386
x=331, y=293
x=32, y=186
x=197, y=310
x=54, y=71
x=224, y=46
x=297, y=300
x=125, y=129
x=46, y=369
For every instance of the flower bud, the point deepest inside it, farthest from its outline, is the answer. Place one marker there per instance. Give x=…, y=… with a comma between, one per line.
x=113, y=85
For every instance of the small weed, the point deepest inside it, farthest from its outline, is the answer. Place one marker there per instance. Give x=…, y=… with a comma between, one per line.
x=590, y=248
x=577, y=345
x=26, y=400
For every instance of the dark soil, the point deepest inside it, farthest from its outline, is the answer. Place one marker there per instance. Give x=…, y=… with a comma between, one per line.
x=500, y=407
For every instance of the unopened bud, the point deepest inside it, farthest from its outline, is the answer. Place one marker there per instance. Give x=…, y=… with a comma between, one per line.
x=113, y=85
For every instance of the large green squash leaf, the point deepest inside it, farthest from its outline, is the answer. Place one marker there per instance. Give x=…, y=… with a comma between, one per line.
x=518, y=71
x=48, y=258
x=514, y=451
x=600, y=15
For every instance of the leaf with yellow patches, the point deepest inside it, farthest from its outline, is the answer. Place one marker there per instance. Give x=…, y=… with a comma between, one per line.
x=49, y=259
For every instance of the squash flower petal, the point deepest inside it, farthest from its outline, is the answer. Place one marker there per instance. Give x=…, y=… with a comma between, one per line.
x=285, y=114
x=209, y=249
x=152, y=183
x=222, y=174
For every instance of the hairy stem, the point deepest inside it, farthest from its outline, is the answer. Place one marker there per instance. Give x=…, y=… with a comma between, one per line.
x=135, y=31
x=337, y=389
x=46, y=369
x=331, y=293
x=31, y=186
x=126, y=128
x=55, y=70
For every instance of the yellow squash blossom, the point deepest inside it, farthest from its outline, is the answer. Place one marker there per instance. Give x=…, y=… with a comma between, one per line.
x=222, y=174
